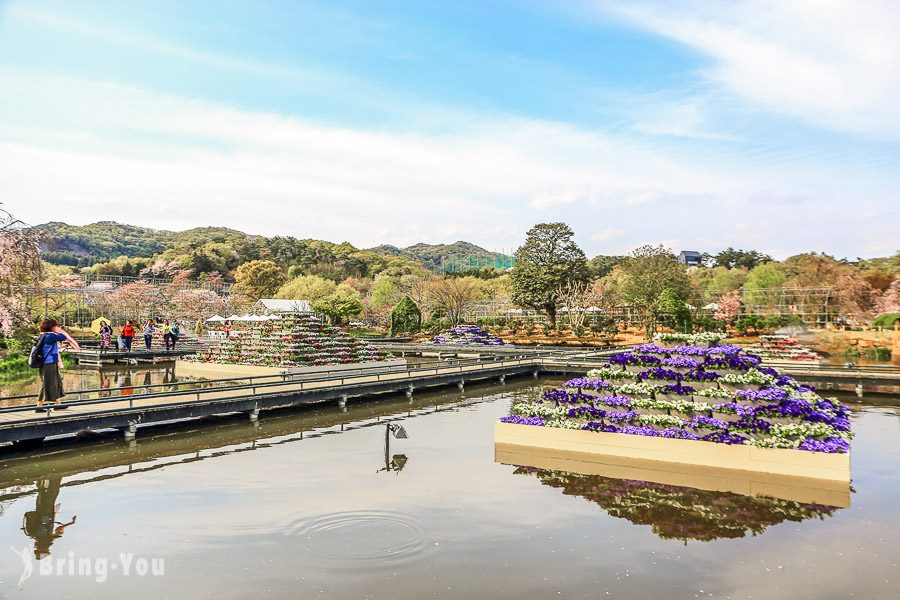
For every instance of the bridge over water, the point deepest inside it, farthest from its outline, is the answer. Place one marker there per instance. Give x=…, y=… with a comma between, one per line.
x=129, y=408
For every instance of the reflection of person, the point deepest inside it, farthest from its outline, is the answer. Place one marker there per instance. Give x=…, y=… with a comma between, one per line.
x=104, y=385
x=40, y=524
x=127, y=389
x=51, y=381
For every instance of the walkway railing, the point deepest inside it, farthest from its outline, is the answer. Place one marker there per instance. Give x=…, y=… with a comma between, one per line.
x=197, y=391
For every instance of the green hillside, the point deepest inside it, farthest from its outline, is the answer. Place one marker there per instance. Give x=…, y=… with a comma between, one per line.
x=455, y=257
x=206, y=250
x=83, y=245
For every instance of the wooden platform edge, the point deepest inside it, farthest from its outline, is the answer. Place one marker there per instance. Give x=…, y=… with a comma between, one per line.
x=750, y=459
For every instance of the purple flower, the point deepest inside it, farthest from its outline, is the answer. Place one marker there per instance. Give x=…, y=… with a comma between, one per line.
x=615, y=401
x=649, y=349
x=681, y=390
x=621, y=417
x=698, y=375
x=724, y=437
x=769, y=395
x=587, y=384
x=699, y=422
x=831, y=445
x=741, y=410
x=680, y=362
x=537, y=421
x=725, y=350
x=739, y=363
x=751, y=424
x=627, y=358
x=658, y=373
x=639, y=430
x=599, y=426
x=688, y=350
x=678, y=434
x=586, y=412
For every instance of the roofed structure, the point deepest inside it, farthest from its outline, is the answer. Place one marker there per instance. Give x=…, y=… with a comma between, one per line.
x=278, y=305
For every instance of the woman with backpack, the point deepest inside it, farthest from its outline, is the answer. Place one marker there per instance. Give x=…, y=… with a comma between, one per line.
x=47, y=350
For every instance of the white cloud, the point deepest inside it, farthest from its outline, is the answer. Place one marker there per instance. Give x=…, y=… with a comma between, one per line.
x=833, y=63
x=607, y=234
x=82, y=151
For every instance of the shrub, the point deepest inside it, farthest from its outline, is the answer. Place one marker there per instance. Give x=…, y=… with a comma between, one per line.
x=886, y=320
x=405, y=317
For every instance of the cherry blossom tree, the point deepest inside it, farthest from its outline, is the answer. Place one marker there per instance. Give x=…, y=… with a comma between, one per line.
x=197, y=304
x=729, y=307
x=20, y=264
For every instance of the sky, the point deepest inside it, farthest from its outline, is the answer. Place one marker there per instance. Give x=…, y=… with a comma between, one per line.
x=767, y=125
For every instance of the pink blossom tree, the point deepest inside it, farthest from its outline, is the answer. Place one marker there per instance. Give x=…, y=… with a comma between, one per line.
x=728, y=308
x=20, y=264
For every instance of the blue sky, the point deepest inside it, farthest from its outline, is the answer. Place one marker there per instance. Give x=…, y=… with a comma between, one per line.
x=700, y=125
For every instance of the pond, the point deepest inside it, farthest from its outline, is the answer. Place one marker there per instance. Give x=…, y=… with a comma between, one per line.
x=91, y=378
x=312, y=504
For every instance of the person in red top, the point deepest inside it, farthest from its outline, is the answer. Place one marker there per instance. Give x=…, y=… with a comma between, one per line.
x=128, y=335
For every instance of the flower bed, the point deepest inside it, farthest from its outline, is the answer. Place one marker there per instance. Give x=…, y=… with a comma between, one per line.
x=720, y=397
x=782, y=348
x=465, y=335
x=290, y=341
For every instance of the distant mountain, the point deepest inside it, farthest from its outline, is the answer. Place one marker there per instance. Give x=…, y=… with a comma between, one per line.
x=85, y=245
x=82, y=245
x=455, y=257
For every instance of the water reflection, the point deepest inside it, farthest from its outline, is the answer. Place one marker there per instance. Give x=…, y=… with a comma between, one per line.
x=680, y=513
x=41, y=524
x=105, y=380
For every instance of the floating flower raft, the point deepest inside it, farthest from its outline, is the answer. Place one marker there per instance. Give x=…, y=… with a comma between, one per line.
x=690, y=393
x=466, y=335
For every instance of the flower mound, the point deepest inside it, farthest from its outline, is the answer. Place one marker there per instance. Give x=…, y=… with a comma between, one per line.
x=466, y=335
x=691, y=392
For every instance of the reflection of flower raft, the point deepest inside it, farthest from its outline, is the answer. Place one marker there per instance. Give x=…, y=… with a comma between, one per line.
x=680, y=513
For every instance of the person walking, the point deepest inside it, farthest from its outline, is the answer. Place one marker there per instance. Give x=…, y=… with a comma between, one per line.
x=176, y=331
x=149, y=328
x=167, y=335
x=51, y=381
x=105, y=336
x=128, y=335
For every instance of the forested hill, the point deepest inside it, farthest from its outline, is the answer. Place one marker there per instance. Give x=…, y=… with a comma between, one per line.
x=75, y=245
x=458, y=256
x=86, y=245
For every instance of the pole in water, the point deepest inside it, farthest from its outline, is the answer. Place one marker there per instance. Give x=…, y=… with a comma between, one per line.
x=130, y=432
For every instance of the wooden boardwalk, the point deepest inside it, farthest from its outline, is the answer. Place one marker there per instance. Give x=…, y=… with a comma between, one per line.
x=94, y=357
x=127, y=409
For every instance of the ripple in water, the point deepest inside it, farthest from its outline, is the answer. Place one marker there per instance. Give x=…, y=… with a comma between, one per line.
x=361, y=538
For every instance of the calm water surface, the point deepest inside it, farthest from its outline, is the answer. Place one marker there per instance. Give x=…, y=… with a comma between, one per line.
x=309, y=504
x=91, y=378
